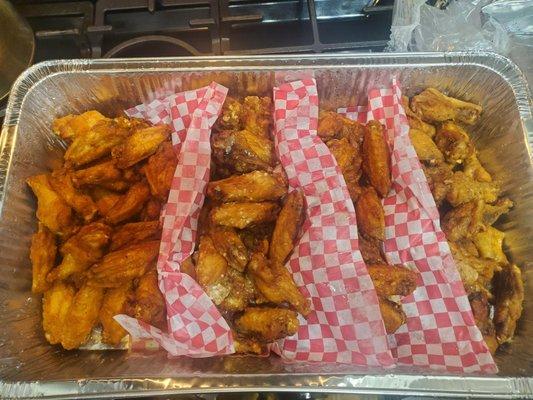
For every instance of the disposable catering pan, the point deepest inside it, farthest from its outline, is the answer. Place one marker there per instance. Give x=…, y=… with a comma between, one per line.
x=30, y=367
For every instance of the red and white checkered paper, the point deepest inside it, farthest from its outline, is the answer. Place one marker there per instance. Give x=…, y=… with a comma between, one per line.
x=440, y=332
x=195, y=326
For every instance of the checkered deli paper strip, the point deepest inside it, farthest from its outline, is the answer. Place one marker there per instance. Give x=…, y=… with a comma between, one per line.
x=440, y=332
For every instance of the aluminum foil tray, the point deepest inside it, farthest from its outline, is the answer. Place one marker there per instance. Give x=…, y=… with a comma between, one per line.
x=30, y=367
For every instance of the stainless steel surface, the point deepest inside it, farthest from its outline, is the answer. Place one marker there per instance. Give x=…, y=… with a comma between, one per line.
x=30, y=367
x=16, y=46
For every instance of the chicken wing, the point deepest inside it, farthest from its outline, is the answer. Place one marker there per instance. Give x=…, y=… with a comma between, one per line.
x=463, y=189
x=231, y=116
x=242, y=215
x=349, y=161
x=474, y=169
x=276, y=284
x=329, y=125
x=72, y=126
x=43, y=257
x=247, y=346
x=370, y=214
x=96, y=143
x=353, y=131
x=254, y=186
x=433, y=106
x=151, y=210
x=242, y=292
x=476, y=273
x=392, y=314
x=257, y=118
x=464, y=221
x=141, y=144
x=391, y=280
x=56, y=304
x=159, y=170
x=230, y=246
x=149, y=304
x=52, y=210
x=104, y=199
x=211, y=268
x=489, y=244
x=81, y=251
x=114, y=303
x=425, y=148
x=371, y=250
x=439, y=178
x=287, y=228
x=481, y=311
x=82, y=316
x=509, y=296
x=61, y=182
x=453, y=142
x=414, y=120
x=376, y=158
x=122, y=266
x=134, y=232
x=103, y=172
x=267, y=324
x=129, y=204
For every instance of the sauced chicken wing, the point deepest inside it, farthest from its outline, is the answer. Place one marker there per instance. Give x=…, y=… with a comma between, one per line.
x=114, y=303
x=103, y=172
x=61, y=182
x=211, y=268
x=82, y=316
x=124, y=265
x=392, y=314
x=52, y=210
x=439, y=178
x=242, y=291
x=134, y=232
x=370, y=214
x=254, y=186
x=141, y=144
x=96, y=143
x=43, y=256
x=257, y=117
x=81, y=250
x=129, y=204
x=267, y=324
x=276, y=284
x=463, y=189
x=242, y=215
x=71, y=126
x=56, y=304
x=390, y=280
x=371, y=250
x=425, y=147
x=104, y=199
x=349, y=161
x=149, y=304
x=509, y=296
x=151, y=210
x=159, y=170
x=454, y=143
x=489, y=244
x=230, y=246
x=376, y=158
x=433, y=106
x=288, y=224
x=232, y=115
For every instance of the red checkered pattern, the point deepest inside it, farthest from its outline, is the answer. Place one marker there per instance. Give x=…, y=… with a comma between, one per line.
x=440, y=332
x=195, y=326
x=345, y=324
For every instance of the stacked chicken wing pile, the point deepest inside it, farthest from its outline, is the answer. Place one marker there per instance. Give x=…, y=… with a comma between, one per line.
x=363, y=157
x=469, y=202
x=94, y=254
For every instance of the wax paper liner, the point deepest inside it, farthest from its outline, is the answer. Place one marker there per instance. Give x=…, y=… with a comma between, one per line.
x=440, y=332
x=344, y=325
x=195, y=326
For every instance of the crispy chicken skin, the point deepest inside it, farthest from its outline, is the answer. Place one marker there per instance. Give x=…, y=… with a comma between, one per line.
x=489, y=244
x=71, y=126
x=425, y=147
x=61, y=182
x=391, y=280
x=433, y=106
x=288, y=224
x=103, y=172
x=242, y=215
x=392, y=314
x=134, y=232
x=509, y=296
x=463, y=189
x=43, y=256
x=464, y=221
x=414, y=120
x=329, y=125
x=275, y=283
x=159, y=170
x=376, y=158
x=349, y=161
x=140, y=145
x=56, y=304
x=81, y=251
x=114, y=303
x=149, y=304
x=370, y=214
x=122, y=266
x=82, y=316
x=229, y=244
x=52, y=210
x=254, y=186
x=454, y=142
x=129, y=204
x=267, y=324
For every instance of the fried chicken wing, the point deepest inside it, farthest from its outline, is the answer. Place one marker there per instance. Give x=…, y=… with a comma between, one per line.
x=463, y=189
x=475, y=272
x=242, y=292
x=392, y=314
x=414, y=120
x=349, y=161
x=82, y=316
x=376, y=158
x=439, y=179
x=232, y=116
x=81, y=251
x=509, y=296
x=159, y=170
x=433, y=106
x=129, y=204
x=230, y=246
x=96, y=143
x=474, y=169
x=276, y=284
x=61, y=182
x=390, y=280
x=211, y=268
x=246, y=345
x=122, y=266
x=134, y=232
x=140, y=145
x=287, y=228
x=267, y=324
x=254, y=186
x=425, y=147
x=454, y=143
x=52, y=210
x=481, y=311
x=464, y=221
x=114, y=303
x=329, y=125
x=103, y=172
x=56, y=304
x=43, y=256
x=151, y=210
x=104, y=199
x=71, y=126
x=370, y=214
x=353, y=131
x=257, y=118
x=489, y=244
x=371, y=250
x=242, y=215
x=149, y=304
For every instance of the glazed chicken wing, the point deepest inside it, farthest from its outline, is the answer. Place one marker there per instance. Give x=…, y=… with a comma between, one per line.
x=425, y=147
x=211, y=268
x=288, y=224
x=61, y=182
x=230, y=246
x=370, y=214
x=114, y=303
x=509, y=296
x=43, y=256
x=149, y=304
x=72, y=126
x=349, y=161
x=141, y=144
x=134, y=232
x=232, y=116
x=463, y=189
x=56, y=304
x=433, y=106
x=267, y=324
x=454, y=142
x=391, y=280
x=52, y=210
x=159, y=170
x=242, y=215
x=151, y=210
x=246, y=345
x=103, y=172
x=254, y=186
x=129, y=204
x=376, y=158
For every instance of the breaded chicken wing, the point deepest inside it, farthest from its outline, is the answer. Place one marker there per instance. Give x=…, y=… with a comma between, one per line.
x=463, y=189
x=103, y=172
x=376, y=158
x=129, y=204
x=370, y=214
x=139, y=145
x=134, y=232
x=391, y=280
x=392, y=314
x=159, y=170
x=114, y=303
x=267, y=324
x=61, y=182
x=211, y=268
x=71, y=126
x=509, y=297
x=454, y=143
x=349, y=161
x=242, y=215
x=230, y=246
x=425, y=147
x=56, y=304
x=149, y=304
x=43, y=257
